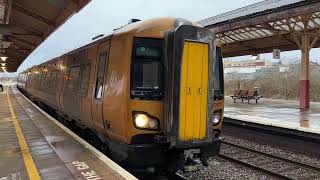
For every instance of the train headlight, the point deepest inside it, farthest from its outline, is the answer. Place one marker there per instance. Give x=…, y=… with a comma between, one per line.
x=143, y=121
x=216, y=118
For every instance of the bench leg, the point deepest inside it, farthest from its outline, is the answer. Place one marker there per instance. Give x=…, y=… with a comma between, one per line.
x=248, y=101
x=234, y=100
x=256, y=101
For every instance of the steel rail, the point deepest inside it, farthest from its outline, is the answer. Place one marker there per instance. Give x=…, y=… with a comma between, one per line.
x=274, y=156
x=261, y=169
x=257, y=168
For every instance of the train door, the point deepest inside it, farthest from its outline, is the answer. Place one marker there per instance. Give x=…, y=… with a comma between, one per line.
x=71, y=96
x=189, y=86
x=193, y=95
x=87, y=86
x=99, y=85
x=61, y=80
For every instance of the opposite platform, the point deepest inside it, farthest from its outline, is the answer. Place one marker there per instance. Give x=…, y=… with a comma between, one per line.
x=35, y=146
x=277, y=113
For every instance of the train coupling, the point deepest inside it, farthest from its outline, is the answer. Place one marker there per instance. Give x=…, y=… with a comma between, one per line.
x=192, y=161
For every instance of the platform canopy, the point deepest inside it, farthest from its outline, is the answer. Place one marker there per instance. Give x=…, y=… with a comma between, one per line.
x=25, y=24
x=267, y=25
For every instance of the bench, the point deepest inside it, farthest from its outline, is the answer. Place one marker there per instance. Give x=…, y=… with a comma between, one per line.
x=1, y=87
x=251, y=95
x=236, y=95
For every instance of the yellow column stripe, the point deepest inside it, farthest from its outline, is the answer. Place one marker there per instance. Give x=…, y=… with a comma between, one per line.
x=28, y=161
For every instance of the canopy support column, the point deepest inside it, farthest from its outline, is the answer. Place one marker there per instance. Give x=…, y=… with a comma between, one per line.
x=304, y=73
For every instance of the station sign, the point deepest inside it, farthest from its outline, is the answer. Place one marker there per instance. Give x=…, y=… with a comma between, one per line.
x=276, y=53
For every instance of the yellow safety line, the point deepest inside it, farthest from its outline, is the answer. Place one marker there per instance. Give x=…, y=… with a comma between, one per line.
x=28, y=161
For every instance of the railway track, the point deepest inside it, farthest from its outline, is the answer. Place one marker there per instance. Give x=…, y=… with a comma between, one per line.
x=162, y=176
x=269, y=164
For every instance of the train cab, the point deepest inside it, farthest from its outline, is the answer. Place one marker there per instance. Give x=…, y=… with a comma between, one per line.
x=152, y=92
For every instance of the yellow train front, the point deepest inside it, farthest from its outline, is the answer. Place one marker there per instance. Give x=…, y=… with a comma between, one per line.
x=154, y=93
x=175, y=78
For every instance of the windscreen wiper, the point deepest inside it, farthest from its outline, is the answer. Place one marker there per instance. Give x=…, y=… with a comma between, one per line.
x=147, y=92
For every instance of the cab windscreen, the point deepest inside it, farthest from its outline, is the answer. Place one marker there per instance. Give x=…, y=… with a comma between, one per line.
x=147, y=69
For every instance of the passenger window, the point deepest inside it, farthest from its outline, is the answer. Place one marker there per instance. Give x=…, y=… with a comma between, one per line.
x=52, y=80
x=30, y=80
x=46, y=80
x=39, y=79
x=100, y=75
x=36, y=79
x=85, y=77
x=73, y=77
x=66, y=78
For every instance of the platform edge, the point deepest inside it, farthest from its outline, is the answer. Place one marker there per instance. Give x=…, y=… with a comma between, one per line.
x=125, y=174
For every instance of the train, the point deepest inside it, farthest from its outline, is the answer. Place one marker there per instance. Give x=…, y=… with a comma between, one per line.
x=151, y=92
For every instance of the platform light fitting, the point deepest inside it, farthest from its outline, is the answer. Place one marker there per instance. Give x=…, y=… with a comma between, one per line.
x=254, y=57
x=3, y=64
x=3, y=58
x=6, y=44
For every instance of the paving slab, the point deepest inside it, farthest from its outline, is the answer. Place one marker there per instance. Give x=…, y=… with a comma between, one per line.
x=276, y=112
x=55, y=151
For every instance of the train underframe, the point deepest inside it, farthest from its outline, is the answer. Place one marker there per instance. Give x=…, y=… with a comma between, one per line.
x=159, y=155
x=150, y=157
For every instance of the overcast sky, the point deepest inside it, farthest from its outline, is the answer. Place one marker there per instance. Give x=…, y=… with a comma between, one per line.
x=102, y=16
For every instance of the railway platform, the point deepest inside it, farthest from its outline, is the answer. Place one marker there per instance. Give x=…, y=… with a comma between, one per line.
x=281, y=114
x=33, y=145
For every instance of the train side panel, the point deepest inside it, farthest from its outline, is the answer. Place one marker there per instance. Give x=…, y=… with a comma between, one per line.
x=49, y=80
x=87, y=77
x=61, y=70
x=21, y=80
x=99, y=71
x=62, y=82
x=78, y=86
x=117, y=89
x=42, y=83
x=71, y=101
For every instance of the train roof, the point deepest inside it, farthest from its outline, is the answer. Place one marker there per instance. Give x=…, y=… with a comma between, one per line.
x=153, y=28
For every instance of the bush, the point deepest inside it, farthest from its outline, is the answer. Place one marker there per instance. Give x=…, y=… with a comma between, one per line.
x=280, y=85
